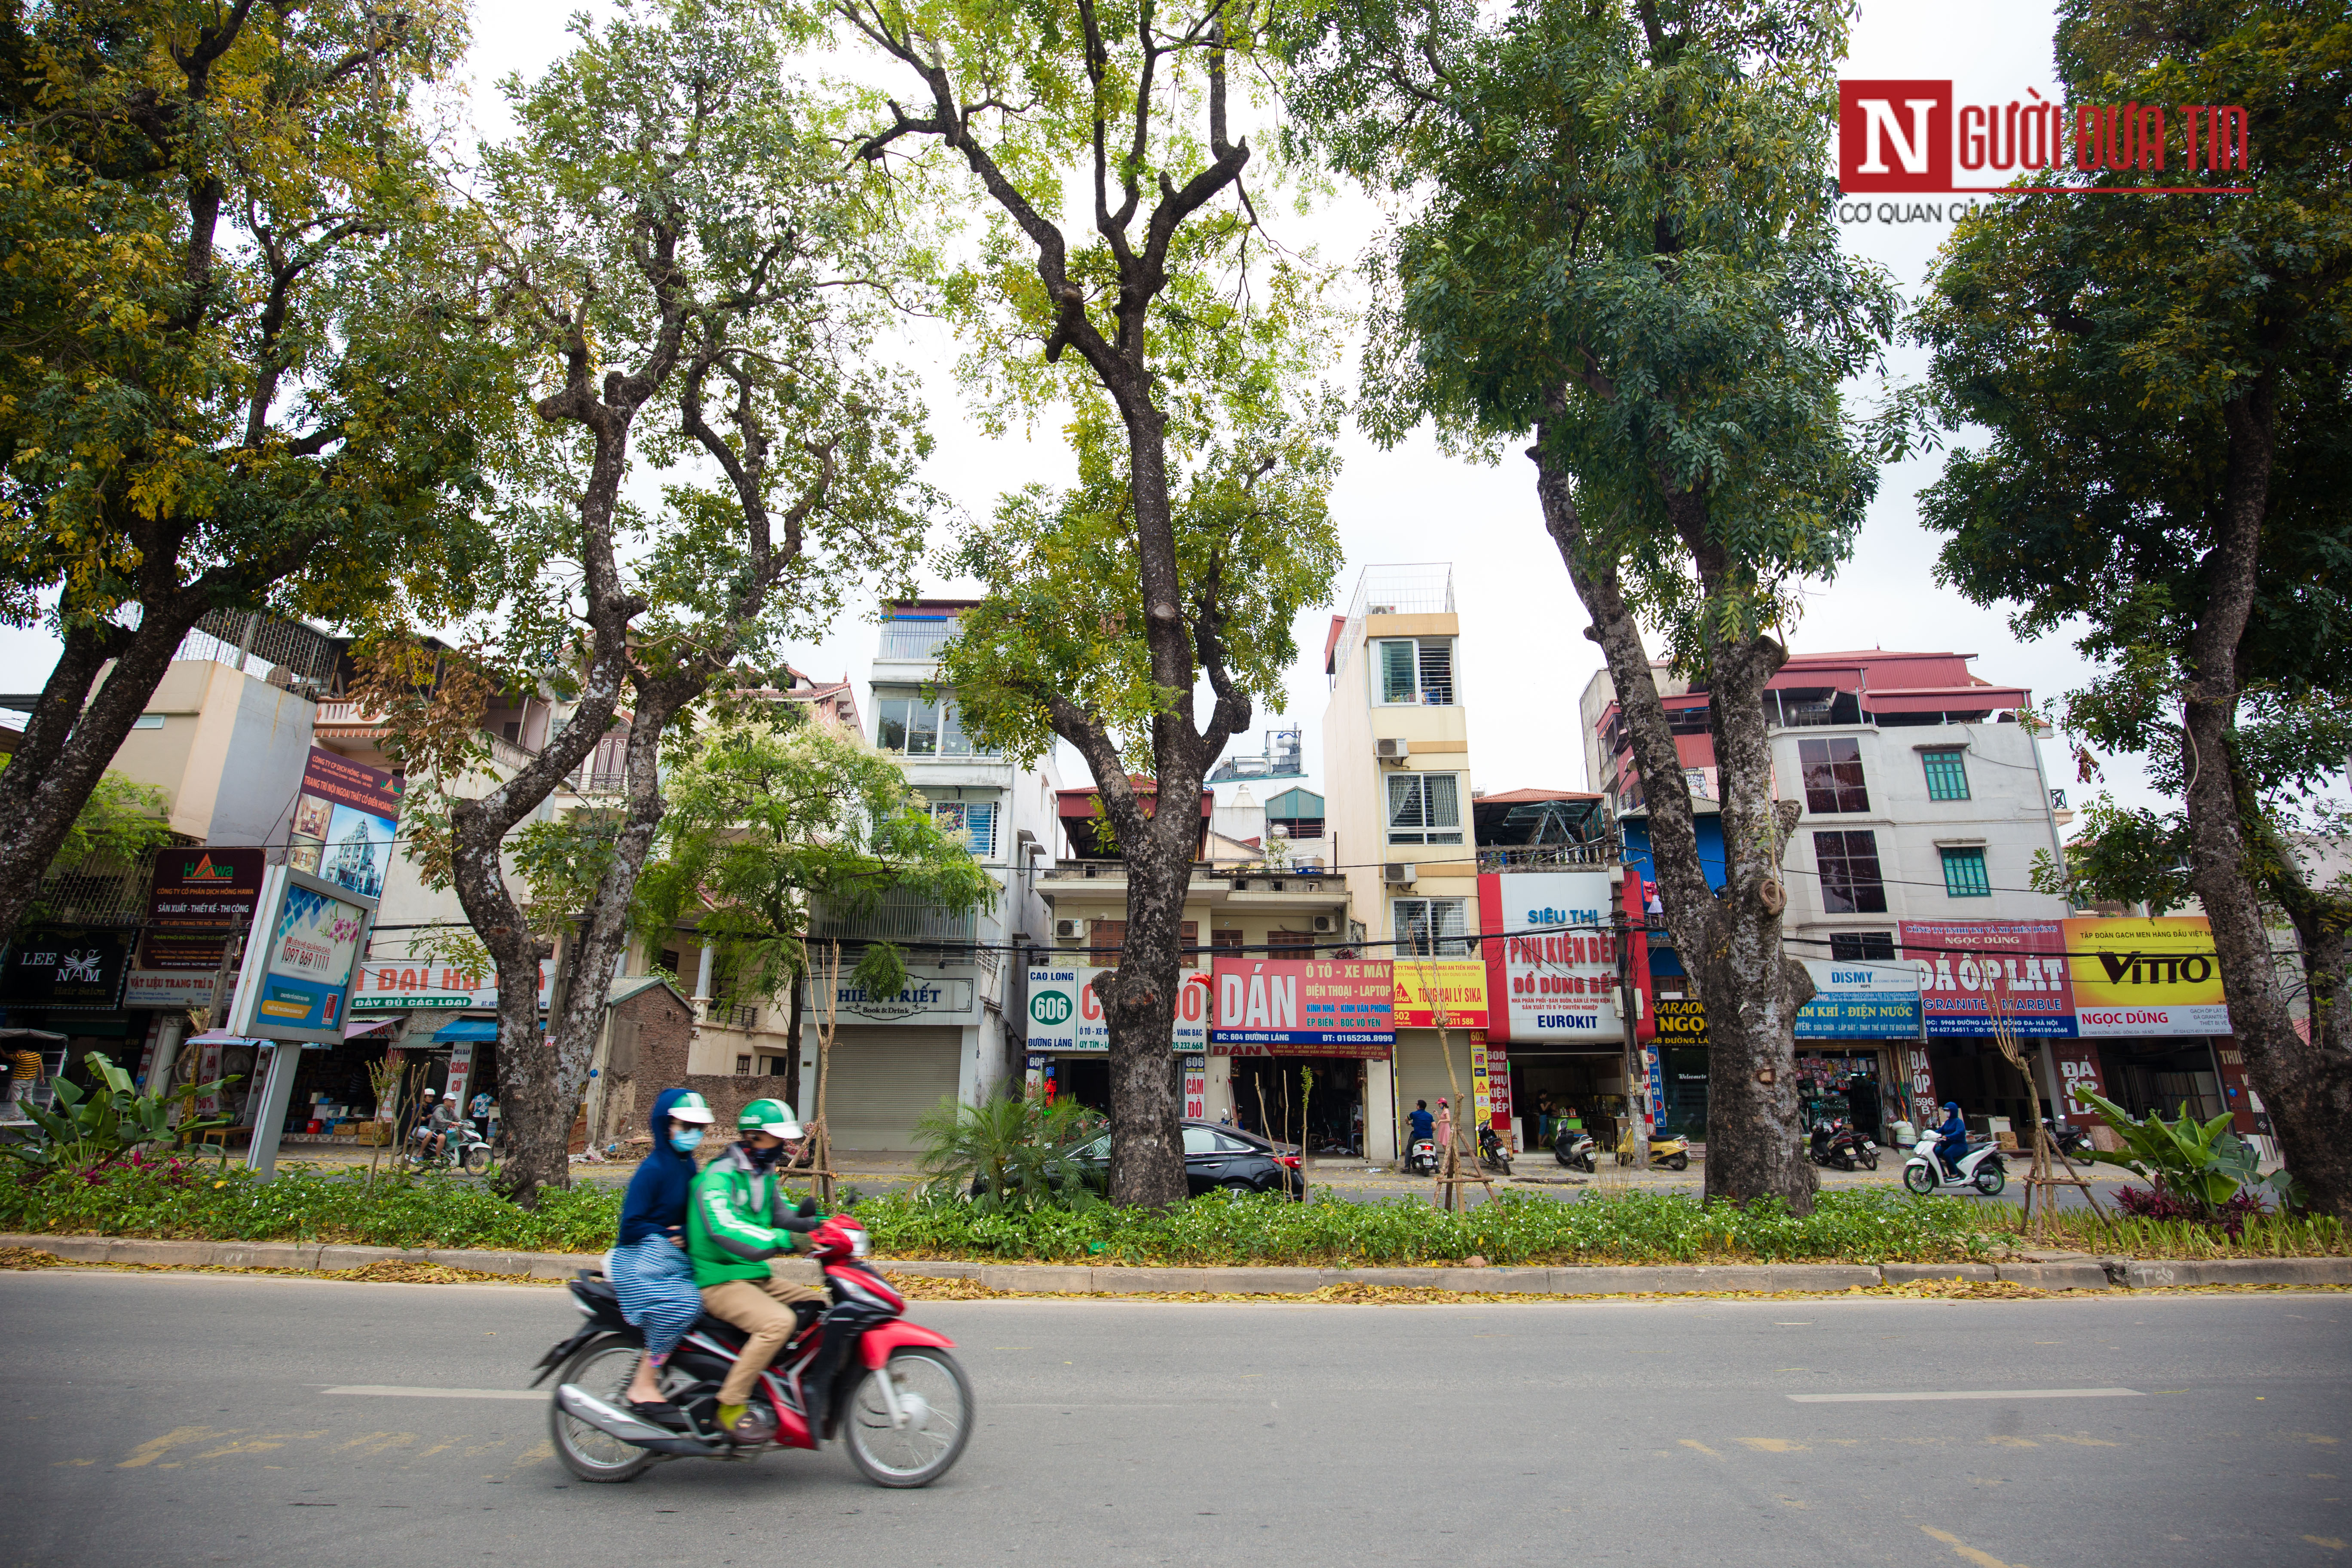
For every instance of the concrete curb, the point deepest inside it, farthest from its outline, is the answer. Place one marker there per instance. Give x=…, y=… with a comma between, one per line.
x=2088, y=1274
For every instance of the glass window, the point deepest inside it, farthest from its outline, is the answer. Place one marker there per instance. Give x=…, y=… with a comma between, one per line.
x=1098, y=1149
x=905, y=722
x=1228, y=1144
x=1417, y=671
x=890, y=724
x=1832, y=770
x=1848, y=863
x=1199, y=1141
x=1948, y=774
x=1424, y=808
x=1862, y=946
x=1397, y=683
x=1431, y=928
x=1964, y=874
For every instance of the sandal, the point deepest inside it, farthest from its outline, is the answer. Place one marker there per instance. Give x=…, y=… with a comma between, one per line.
x=660, y=1412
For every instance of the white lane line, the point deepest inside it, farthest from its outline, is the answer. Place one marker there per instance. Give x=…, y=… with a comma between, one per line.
x=1968, y=1393
x=387, y=1391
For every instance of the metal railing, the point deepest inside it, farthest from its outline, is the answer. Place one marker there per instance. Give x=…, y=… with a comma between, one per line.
x=1424, y=588
x=1529, y=858
x=98, y=890
x=915, y=639
x=899, y=919
x=741, y=1015
x=283, y=653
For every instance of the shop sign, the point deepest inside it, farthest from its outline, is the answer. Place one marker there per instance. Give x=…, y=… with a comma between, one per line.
x=55, y=966
x=198, y=898
x=1859, y=1002
x=400, y=984
x=1920, y=1073
x=1064, y=1014
x=2077, y=1066
x=344, y=822
x=297, y=979
x=1557, y=985
x=1196, y=1089
x=2145, y=977
x=1490, y=1087
x=168, y=988
x=1302, y=1003
x=1656, y=1071
x=922, y=994
x=1425, y=987
x=1682, y=1020
x=1973, y=971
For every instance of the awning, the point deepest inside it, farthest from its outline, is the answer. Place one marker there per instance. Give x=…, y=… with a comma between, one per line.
x=465, y=1029
x=368, y=1028
x=223, y=1038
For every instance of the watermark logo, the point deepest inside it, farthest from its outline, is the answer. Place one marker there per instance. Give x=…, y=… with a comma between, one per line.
x=1913, y=137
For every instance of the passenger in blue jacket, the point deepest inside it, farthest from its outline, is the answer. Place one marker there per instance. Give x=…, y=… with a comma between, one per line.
x=651, y=1272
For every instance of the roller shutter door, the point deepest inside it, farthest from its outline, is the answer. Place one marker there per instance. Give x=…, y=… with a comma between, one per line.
x=883, y=1079
x=1420, y=1071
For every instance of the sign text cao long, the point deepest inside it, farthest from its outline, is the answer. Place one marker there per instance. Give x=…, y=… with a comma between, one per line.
x=1913, y=137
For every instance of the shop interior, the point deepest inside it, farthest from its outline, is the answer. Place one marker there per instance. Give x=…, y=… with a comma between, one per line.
x=1975, y=1074
x=1831, y=1085
x=1571, y=1086
x=1273, y=1099
x=1084, y=1079
x=2161, y=1076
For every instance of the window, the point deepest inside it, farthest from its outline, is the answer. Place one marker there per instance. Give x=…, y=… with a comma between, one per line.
x=1862, y=946
x=1832, y=770
x=905, y=722
x=1290, y=944
x=1417, y=670
x=1431, y=928
x=1424, y=808
x=1199, y=1141
x=1105, y=938
x=1848, y=863
x=1948, y=774
x=1225, y=942
x=743, y=1067
x=1964, y=874
x=974, y=822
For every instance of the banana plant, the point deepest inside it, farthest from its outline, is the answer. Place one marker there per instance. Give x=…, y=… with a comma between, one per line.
x=2203, y=1163
x=92, y=1124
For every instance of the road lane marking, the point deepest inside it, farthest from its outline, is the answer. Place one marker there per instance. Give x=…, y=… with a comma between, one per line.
x=389, y=1391
x=1961, y=1548
x=1771, y=1445
x=154, y=1449
x=1695, y=1443
x=2329, y=1542
x=1968, y=1393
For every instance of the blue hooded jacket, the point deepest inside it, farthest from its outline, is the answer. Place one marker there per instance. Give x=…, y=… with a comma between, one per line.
x=657, y=1193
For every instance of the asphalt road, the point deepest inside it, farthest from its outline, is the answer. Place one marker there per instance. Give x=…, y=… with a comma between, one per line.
x=183, y=1418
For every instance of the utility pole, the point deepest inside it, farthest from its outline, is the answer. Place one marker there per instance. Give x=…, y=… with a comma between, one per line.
x=1637, y=1077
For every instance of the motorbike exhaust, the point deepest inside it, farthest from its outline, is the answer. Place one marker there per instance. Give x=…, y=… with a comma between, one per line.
x=578, y=1403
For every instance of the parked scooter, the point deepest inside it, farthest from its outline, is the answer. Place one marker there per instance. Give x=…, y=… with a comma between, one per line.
x=1491, y=1152
x=1837, y=1143
x=1421, y=1157
x=1981, y=1169
x=1671, y=1150
x=2069, y=1140
x=1572, y=1147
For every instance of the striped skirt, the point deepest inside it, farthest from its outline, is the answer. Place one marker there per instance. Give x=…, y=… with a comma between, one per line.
x=654, y=1281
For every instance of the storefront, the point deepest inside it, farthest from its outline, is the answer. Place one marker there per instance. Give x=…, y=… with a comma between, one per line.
x=1452, y=992
x=1068, y=1042
x=1852, y=1040
x=895, y=1059
x=1300, y=1050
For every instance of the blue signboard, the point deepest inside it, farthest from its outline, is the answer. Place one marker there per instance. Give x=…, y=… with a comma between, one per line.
x=1859, y=1002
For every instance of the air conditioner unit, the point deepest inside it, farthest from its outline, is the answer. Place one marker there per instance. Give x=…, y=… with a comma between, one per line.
x=1322, y=923
x=1395, y=872
x=1393, y=750
x=1069, y=929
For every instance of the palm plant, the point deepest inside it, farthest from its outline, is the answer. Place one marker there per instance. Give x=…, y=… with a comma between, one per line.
x=1013, y=1156
x=2203, y=1166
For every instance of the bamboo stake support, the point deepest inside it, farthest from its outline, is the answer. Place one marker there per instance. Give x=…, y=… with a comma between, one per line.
x=820, y=1136
x=2040, y=1180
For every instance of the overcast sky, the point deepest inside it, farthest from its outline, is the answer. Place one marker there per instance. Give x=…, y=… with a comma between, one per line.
x=1524, y=657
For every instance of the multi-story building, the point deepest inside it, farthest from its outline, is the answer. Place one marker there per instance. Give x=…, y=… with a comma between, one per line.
x=954, y=1032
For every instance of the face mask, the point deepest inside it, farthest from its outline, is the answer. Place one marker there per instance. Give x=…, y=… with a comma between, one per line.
x=762, y=1158
x=686, y=1141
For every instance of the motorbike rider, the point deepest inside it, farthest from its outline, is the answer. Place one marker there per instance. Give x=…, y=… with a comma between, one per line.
x=440, y=1120
x=737, y=1223
x=1951, y=1139
x=1424, y=1126
x=650, y=1271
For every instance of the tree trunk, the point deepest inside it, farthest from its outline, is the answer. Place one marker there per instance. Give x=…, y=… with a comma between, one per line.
x=2307, y=1086
x=68, y=747
x=1731, y=945
x=1147, y=1150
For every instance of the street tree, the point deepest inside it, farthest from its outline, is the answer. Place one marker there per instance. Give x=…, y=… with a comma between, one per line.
x=1615, y=235
x=770, y=821
x=2161, y=383
x=227, y=385
x=678, y=248
x=1123, y=285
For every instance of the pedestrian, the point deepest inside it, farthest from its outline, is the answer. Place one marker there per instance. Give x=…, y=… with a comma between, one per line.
x=481, y=1114
x=1445, y=1128
x=650, y=1271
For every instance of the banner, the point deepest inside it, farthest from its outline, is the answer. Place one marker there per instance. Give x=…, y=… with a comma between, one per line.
x=2146, y=976
x=1971, y=967
x=61, y=967
x=198, y=898
x=1859, y=1002
x=1303, y=1005
x=949, y=999
x=399, y=983
x=168, y=988
x=1064, y=1014
x=1196, y=1089
x=1422, y=985
x=344, y=822
x=296, y=978
x=1557, y=985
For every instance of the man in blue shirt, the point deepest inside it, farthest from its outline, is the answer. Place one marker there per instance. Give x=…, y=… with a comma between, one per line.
x=1423, y=1125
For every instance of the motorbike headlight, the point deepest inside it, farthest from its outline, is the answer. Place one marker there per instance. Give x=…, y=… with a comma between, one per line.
x=861, y=1244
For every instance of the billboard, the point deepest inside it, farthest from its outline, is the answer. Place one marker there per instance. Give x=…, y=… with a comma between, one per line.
x=399, y=984
x=1969, y=969
x=199, y=896
x=2146, y=976
x=1556, y=975
x=344, y=822
x=1859, y=1002
x=1425, y=987
x=1303, y=1007
x=296, y=982
x=1064, y=1014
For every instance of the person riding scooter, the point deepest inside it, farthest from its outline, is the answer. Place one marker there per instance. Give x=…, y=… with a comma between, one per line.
x=736, y=1223
x=1951, y=1139
x=440, y=1120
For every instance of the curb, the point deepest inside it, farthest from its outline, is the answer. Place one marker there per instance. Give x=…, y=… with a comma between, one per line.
x=1628, y=1280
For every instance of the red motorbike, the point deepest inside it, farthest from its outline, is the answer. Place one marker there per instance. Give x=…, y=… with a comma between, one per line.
x=899, y=1400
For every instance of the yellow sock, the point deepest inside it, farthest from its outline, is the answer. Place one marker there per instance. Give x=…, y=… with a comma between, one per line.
x=730, y=1413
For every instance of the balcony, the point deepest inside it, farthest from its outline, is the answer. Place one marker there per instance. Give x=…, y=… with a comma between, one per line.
x=915, y=641
x=287, y=654
x=1599, y=853
x=901, y=919
x=741, y=1015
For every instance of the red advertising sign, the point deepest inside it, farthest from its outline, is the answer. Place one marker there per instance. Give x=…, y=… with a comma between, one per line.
x=1971, y=971
x=1304, y=1006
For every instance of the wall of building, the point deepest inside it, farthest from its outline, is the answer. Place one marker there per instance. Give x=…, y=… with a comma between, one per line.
x=229, y=755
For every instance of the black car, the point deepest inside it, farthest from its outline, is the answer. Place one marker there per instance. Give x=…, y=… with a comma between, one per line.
x=1216, y=1159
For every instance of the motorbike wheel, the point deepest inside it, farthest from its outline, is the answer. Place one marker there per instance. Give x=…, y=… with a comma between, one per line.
x=1586, y=1163
x=1870, y=1161
x=1991, y=1177
x=935, y=1396
x=603, y=1367
x=1562, y=1156
x=1919, y=1179
x=1679, y=1162
x=475, y=1159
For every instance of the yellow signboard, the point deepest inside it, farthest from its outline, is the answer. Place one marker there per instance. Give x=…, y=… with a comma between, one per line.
x=1424, y=985
x=2146, y=976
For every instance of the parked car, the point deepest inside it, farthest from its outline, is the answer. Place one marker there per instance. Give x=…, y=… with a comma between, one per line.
x=1216, y=1159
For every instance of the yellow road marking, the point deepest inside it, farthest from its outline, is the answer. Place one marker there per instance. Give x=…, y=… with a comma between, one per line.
x=1695, y=1443
x=2313, y=1437
x=2079, y=1442
x=154, y=1449
x=445, y=1443
x=2329, y=1542
x=1771, y=1445
x=75, y=1462
x=533, y=1454
x=2013, y=1442
x=1967, y=1552
x=377, y=1442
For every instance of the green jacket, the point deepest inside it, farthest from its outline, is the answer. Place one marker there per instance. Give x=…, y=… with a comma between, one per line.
x=729, y=1228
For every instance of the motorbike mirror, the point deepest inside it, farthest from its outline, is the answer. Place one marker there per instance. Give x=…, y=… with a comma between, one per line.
x=808, y=1206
